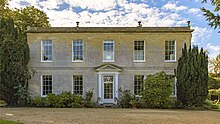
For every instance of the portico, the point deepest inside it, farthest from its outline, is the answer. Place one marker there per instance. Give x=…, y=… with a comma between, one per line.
x=108, y=83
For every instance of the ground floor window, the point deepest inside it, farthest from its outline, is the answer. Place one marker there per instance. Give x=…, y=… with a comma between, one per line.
x=174, y=84
x=78, y=84
x=46, y=84
x=138, y=84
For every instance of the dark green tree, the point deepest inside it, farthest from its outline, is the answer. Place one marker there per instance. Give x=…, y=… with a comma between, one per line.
x=14, y=50
x=192, y=76
x=211, y=16
x=14, y=57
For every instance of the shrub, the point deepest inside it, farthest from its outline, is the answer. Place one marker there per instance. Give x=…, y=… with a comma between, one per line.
x=210, y=105
x=2, y=103
x=63, y=100
x=213, y=83
x=215, y=92
x=126, y=98
x=88, y=99
x=158, y=90
x=38, y=101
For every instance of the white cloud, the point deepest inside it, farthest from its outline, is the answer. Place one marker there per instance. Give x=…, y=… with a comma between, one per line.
x=213, y=50
x=50, y=4
x=92, y=4
x=64, y=18
x=194, y=11
x=213, y=47
x=173, y=7
x=200, y=35
x=15, y=4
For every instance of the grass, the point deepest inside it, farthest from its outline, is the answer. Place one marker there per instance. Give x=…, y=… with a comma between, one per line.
x=8, y=122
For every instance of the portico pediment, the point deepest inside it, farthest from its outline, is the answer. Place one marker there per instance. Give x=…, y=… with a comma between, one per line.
x=108, y=67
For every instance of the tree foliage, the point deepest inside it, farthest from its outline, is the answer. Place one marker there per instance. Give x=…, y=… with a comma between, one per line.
x=192, y=76
x=158, y=89
x=28, y=16
x=214, y=83
x=211, y=17
x=14, y=57
x=215, y=66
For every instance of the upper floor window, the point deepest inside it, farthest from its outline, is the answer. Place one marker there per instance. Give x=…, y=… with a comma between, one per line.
x=108, y=51
x=46, y=51
x=78, y=84
x=139, y=51
x=46, y=85
x=138, y=84
x=77, y=54
x=170, y=51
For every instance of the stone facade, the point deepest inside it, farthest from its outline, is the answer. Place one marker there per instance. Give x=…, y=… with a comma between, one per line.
x=62, y=68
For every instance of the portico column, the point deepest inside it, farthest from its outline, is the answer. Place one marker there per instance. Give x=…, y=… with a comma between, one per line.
x=100, y=87
x=116, y=85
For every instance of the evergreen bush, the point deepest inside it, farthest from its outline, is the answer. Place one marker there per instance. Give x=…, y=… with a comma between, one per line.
x=157, y=91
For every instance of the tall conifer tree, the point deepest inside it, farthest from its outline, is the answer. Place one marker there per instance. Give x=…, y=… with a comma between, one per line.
x=192, y=76
x=14, y=57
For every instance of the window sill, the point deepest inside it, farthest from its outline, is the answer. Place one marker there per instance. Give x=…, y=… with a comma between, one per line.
x=138, y=96
x=108, y=61
x=139, y=61
x=170, y=61
x=77, y=61
x=46, y=61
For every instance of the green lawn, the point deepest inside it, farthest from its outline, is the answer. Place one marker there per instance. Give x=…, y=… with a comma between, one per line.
x=8, y=122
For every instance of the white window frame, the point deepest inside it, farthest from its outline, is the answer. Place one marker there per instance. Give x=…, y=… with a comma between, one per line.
x=42, y=85
x=82, y=84
x=42, y=48
x=73, y=50
x=103, y=55
x=174, y=50
x=134, y=52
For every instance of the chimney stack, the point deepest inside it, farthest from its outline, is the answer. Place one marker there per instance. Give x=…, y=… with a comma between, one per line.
x=139, y=24
x=77, y=24
x=188, y=23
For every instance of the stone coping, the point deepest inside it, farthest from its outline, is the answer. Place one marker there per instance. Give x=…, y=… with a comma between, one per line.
x=108, y=29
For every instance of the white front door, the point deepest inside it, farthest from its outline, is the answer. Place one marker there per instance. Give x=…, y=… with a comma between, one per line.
x=108, y=88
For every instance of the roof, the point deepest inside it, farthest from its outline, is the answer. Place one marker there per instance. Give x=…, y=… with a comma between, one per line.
x=108, y=29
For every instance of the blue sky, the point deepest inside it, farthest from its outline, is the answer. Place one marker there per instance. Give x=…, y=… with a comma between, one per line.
x=123, y=13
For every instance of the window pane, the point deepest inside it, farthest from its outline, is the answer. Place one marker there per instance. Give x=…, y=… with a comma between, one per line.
x=47, y=50
x=138, y=50
x=138, y=84
x=46, y=84
x=108, y=53
x=170, y=50
x=77, y=50
x=78, y=84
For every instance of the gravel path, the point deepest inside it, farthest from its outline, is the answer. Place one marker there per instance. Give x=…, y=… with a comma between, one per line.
x=108, y=116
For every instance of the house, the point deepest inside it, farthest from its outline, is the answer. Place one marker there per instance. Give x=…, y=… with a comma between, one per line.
x=101, y=59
